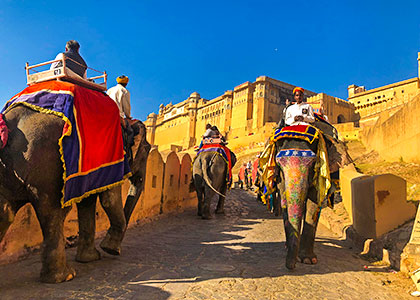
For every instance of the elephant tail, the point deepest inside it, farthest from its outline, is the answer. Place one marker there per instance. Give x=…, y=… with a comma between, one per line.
x=205, y=168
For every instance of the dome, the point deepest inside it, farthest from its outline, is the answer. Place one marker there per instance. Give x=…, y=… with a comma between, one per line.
x=152, y=115
x=195, y=95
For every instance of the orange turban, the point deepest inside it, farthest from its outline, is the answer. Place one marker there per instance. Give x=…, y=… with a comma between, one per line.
x=298, y=89
x=122, y=79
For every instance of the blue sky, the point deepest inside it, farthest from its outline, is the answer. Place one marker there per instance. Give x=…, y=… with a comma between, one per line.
x=170, y=49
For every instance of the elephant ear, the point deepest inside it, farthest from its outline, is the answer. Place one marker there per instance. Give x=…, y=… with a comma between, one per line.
x=338, y=156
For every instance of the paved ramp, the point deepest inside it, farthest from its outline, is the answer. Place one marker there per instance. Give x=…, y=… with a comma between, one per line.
x=237, y=256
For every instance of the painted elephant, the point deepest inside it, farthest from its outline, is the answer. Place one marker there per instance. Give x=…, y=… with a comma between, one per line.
x=209, y=176
x=31, y=171
x=299, y=192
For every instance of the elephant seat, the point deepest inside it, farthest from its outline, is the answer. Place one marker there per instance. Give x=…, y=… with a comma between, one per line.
x=63, y=73
x=212, y=140
x=91, y=145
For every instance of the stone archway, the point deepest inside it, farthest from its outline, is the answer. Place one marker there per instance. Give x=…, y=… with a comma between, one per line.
x=341, y=119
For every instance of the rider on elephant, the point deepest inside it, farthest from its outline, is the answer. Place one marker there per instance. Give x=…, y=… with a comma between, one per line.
x=75, y=62
x=121, y=96
x=299, y=113
x=211, y=132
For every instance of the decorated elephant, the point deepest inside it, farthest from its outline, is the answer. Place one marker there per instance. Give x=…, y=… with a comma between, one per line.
x=31, y=171
x=304, y=157
x=211, y=175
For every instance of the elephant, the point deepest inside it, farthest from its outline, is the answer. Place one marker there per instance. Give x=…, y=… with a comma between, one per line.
x=31, y=171
x=209, y=175
x=298, y=193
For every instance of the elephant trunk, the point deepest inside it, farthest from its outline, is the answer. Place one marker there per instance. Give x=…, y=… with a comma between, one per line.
x=296, y=177
x=296, y=183
x=206, y=177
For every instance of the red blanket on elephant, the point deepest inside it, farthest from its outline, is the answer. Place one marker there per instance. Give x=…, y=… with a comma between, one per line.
x=91, y=145
x=224, y=152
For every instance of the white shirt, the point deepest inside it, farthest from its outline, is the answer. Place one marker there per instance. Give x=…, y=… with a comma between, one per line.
x=121, y=96
x=302, y=109
x=209, y=133
x=55, y=65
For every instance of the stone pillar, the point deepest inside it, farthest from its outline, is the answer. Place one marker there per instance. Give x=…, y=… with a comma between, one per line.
x=418, y=64
x=170, y=191
x=352, y=90
x=151, y=128
x=192, y=114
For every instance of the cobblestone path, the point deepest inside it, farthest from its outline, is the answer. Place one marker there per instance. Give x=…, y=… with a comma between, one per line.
x=236, y=256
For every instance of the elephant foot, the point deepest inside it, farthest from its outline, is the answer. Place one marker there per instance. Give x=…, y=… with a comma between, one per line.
x=85, y=256
x=290, y=264
x=111, y=245
x=206, y=217
x=68, y=274
x=220, y=211
x=309, y=260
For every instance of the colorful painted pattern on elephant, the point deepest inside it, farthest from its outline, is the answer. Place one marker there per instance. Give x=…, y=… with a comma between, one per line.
x=295, y=164
x=307, y=133
x=91, y=145
x=4, y=132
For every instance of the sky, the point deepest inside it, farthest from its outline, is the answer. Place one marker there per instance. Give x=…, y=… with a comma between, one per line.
x=170, y=49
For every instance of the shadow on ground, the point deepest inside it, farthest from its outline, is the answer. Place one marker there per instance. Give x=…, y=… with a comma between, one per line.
x=175, y=252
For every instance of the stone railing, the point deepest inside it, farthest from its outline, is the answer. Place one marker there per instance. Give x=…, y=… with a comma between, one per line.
x=166, y=190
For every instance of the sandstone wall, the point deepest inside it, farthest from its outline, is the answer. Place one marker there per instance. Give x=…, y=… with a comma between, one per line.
x=347, y=131
x=166, y=190
x=397, y=136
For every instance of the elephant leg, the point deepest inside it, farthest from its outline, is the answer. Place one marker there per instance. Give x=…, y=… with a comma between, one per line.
x=221, y=203
x=86, y=250
x=199, y=189
x=54, y=264
x=306, y=248
x=200, y=203
x=276, y=203
x=112, y=205
x=208, y=195
x=7, y=215
x=198, y=184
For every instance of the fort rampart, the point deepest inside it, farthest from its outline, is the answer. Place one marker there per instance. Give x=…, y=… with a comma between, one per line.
x=166, y=190
x=396, y=136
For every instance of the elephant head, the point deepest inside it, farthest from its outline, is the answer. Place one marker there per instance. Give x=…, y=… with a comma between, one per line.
x=138, y=169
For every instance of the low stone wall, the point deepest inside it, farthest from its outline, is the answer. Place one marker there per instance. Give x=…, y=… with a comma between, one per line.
x=166, y=189
x=375, y=204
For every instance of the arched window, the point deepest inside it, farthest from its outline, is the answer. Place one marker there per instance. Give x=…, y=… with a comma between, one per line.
x=341, y=119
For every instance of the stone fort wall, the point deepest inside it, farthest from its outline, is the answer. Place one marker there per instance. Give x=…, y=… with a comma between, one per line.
x=396, y=136
x=166, y=190
x=238, y=114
